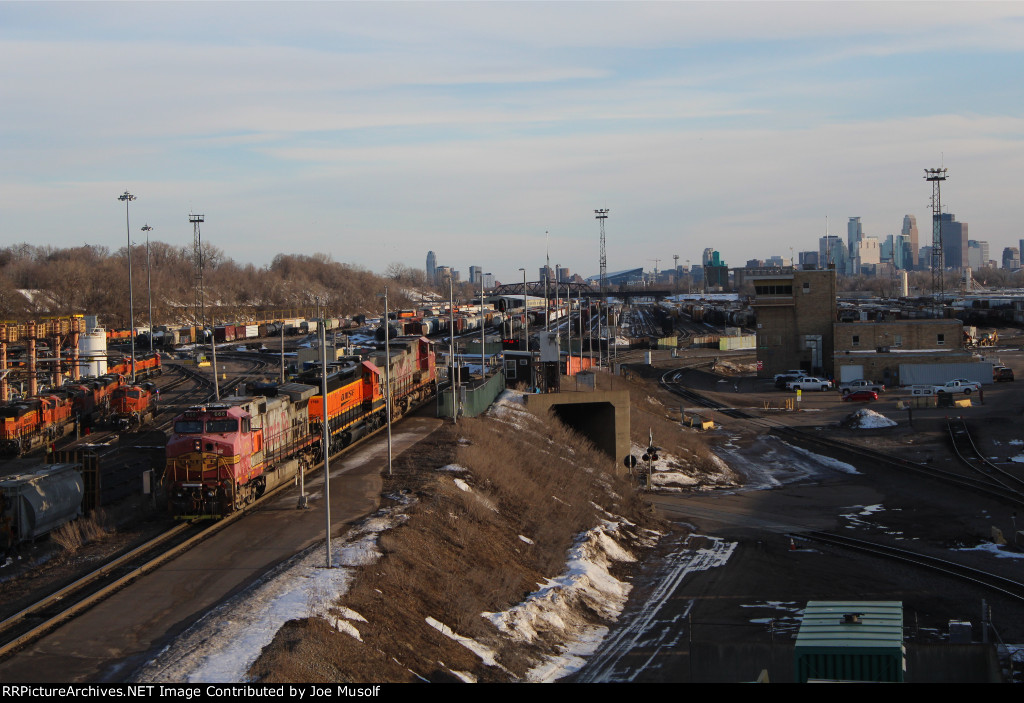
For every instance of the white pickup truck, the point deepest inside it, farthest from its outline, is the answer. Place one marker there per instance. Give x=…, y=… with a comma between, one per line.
x=809, y=383
x=959, y=385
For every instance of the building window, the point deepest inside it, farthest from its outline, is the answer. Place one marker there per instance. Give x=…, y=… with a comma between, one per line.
x=940, y=339
x=856, y=341
x=807, y=286
x=773, y=289
x=897, y=340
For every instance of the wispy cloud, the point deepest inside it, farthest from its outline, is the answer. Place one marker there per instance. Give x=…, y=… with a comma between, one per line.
x=374, y=130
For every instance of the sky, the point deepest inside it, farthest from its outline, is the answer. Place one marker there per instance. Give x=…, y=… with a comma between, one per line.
x=489, y=132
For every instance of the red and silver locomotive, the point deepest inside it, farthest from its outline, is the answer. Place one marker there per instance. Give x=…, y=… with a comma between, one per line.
x=223, y=456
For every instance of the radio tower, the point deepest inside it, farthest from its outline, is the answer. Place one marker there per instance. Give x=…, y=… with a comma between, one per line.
x=602, y=215
x=197, y=274
x=936, y=176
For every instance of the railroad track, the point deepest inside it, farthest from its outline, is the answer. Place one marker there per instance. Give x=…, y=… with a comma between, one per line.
x=50, y=612
x=60, y=606
x=969, y=454
x=994, y=582
x=984, y=485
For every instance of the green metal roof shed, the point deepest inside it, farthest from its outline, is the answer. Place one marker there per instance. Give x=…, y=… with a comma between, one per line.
x=851, y=641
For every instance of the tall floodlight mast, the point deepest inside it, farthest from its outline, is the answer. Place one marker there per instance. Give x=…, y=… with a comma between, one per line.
x=126, y=198
x=936, y=176
x=197, y=271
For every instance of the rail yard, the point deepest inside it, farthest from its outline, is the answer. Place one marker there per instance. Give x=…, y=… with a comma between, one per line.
x=229, y=468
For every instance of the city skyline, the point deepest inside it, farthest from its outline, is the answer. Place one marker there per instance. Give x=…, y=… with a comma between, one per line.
x=374, y=132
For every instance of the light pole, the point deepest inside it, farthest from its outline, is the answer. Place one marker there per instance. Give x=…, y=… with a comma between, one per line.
x=483, y=336
x=387, y=373
x=322, y=338
x=526, y=317
x=149, y=281
x=127, y=198
x=451, y=352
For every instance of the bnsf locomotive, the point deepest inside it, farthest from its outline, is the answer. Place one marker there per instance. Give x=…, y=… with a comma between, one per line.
x=34, y=422
x=224, y=456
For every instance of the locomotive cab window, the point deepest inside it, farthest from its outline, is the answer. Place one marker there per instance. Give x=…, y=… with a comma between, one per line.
x=222, y=426
x=188, y=426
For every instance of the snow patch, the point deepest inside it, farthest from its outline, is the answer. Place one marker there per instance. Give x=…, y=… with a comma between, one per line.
x=865, y=419
x=485, y=653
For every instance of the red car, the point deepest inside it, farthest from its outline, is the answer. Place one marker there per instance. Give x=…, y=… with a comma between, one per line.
x=861, y=396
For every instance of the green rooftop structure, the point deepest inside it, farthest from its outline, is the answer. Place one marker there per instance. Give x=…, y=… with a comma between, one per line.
x=851, y=641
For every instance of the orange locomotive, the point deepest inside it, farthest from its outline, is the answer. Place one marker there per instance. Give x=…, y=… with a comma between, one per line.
x=146, y=366
x=28, y=424
x=131, y=406
x=355, y=391
x=222, y=457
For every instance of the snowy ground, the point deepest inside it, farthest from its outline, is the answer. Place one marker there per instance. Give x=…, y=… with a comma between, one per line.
x=222, y=646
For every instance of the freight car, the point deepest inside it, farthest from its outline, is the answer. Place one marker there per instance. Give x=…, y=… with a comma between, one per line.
x=33, y=504
x=222, y=457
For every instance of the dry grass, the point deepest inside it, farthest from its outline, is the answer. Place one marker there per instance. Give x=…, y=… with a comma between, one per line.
x=73, y=535
x=459, y=554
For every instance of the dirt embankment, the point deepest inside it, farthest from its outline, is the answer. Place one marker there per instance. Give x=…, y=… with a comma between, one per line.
x=512, y=538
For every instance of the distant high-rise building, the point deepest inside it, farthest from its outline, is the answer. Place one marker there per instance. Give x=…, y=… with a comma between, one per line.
x=808, y=260
x=901, y=249
x=1011, y=258
x=977, y=254
x=474, y=274
x=868, y=252
x=854, y=233
x=886, y=247
x=832, y=253
x=910, y=229
x=442, y=274
x=488, y=279
x=431, y=267
x=562, y=274
x=546, y=272
x=954, y=241
x=708, y=256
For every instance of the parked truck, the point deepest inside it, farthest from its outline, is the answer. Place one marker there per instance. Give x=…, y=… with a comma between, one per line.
x=959, y=385
x=861, y=384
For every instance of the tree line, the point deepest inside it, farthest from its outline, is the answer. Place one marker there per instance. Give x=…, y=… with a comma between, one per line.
x=39, y=281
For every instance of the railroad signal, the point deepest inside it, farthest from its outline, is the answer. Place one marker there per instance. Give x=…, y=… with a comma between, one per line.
x=630, y=461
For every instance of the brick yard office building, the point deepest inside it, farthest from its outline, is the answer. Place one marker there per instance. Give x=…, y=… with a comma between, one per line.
x=875, y=350
x=798, y=328
x=795, y=311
